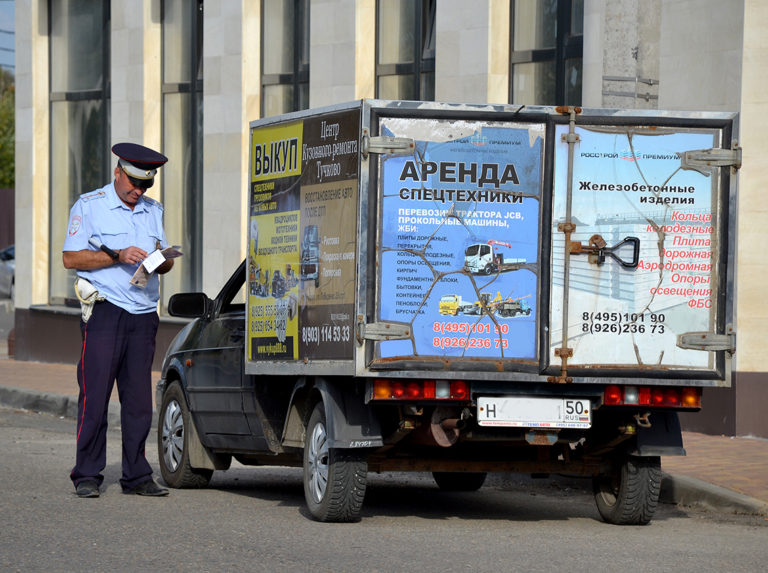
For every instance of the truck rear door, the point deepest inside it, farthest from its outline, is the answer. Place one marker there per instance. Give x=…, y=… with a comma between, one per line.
x=471, y=186
x=639, y=249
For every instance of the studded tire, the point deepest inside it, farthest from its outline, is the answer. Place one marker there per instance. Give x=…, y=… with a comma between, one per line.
x=459, y=481
x=173, y=423
x=631, y=494
x=334, y=479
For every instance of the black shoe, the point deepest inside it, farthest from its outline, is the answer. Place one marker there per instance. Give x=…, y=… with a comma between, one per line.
x=87, y=489
x=148, y=487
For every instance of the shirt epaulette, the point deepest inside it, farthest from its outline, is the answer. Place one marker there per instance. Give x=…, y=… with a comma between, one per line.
x=91, y=195
x=153, y=203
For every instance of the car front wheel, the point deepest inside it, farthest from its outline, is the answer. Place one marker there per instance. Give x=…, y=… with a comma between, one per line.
x=334, y=479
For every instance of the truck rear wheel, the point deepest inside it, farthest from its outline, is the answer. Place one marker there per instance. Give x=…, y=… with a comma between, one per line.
x=334, y=479
x=459, y=481
x=173, y=442
x=631, y=494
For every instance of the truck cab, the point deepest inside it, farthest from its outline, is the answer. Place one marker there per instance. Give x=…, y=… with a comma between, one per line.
x=479, y=259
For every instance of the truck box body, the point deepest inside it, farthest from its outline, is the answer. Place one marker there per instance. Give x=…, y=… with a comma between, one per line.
x=393, y=229
x=463, y=289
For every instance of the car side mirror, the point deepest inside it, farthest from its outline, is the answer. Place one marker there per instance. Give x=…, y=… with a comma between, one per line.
x=189, y=305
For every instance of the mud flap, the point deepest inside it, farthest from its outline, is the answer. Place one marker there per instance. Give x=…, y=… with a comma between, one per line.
x=350, y=423
x=199, y=456
x=663, y=438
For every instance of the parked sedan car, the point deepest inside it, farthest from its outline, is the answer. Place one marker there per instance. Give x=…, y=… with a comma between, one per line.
x=7, y=272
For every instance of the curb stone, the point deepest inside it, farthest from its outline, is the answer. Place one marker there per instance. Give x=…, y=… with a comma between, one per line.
x=688, y=491
x=48, y=403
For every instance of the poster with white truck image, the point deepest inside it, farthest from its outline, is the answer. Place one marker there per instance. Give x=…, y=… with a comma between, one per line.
x=460, y=222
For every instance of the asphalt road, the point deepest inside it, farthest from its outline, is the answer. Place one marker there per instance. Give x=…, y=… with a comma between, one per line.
x=254, y=519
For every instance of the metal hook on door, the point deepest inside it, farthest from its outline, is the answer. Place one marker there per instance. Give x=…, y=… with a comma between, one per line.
x=597, y=250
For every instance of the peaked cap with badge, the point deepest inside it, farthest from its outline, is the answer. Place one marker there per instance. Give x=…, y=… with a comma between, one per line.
x=138, y=161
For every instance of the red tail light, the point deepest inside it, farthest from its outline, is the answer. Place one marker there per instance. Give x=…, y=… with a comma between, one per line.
x=613, y=395
x=413, y=390
x=384, y=389
x=657, y=396
x=459, y=390
x=671, y=397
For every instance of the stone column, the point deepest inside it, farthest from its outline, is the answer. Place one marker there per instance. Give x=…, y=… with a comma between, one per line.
x=231, y=91
x=630, y=33
x=472, y=51
x=32, y=197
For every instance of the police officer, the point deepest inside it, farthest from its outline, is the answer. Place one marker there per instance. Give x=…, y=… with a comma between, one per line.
x=119, y=334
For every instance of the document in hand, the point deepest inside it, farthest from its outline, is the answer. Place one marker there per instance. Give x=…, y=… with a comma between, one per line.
x=154, y=260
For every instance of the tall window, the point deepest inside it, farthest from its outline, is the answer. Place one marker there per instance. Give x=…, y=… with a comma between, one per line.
x=284, y=56
x=546, y=52
x=79, y=99
x=405, y=49
x=182, y=176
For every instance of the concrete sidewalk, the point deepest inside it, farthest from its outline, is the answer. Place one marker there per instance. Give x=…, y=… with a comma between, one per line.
x=719, y=473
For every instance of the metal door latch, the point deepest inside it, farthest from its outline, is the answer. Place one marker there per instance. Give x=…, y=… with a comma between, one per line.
x=597, y=250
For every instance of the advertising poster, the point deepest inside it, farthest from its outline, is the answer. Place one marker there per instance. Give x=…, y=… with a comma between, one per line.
x=459, y=225
x=302, y=237
x=629, y=183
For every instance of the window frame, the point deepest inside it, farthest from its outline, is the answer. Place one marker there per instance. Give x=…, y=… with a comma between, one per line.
x=422, y=31
x=300, y=74
x=101, y=95
x=194, y=88
x=568, y=46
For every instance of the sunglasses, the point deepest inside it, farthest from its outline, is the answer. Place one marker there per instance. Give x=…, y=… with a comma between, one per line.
x=139, y=183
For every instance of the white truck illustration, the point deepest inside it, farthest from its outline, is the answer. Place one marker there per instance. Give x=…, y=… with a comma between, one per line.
x=484, y=259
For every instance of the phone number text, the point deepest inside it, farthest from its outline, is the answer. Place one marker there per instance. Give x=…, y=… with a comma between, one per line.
x=623, y=323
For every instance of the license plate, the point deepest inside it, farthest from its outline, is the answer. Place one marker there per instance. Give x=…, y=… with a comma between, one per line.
x=534, y=412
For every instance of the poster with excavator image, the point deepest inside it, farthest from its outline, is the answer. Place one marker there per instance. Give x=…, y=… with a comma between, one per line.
x=301, y=258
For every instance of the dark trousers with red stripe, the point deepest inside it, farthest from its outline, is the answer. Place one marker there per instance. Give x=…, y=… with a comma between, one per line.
x=117, y=346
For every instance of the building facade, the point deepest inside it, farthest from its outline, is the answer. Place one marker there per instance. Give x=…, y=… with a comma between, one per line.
x=187, y=76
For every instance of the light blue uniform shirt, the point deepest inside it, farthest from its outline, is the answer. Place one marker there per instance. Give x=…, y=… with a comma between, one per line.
x=101, y=214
